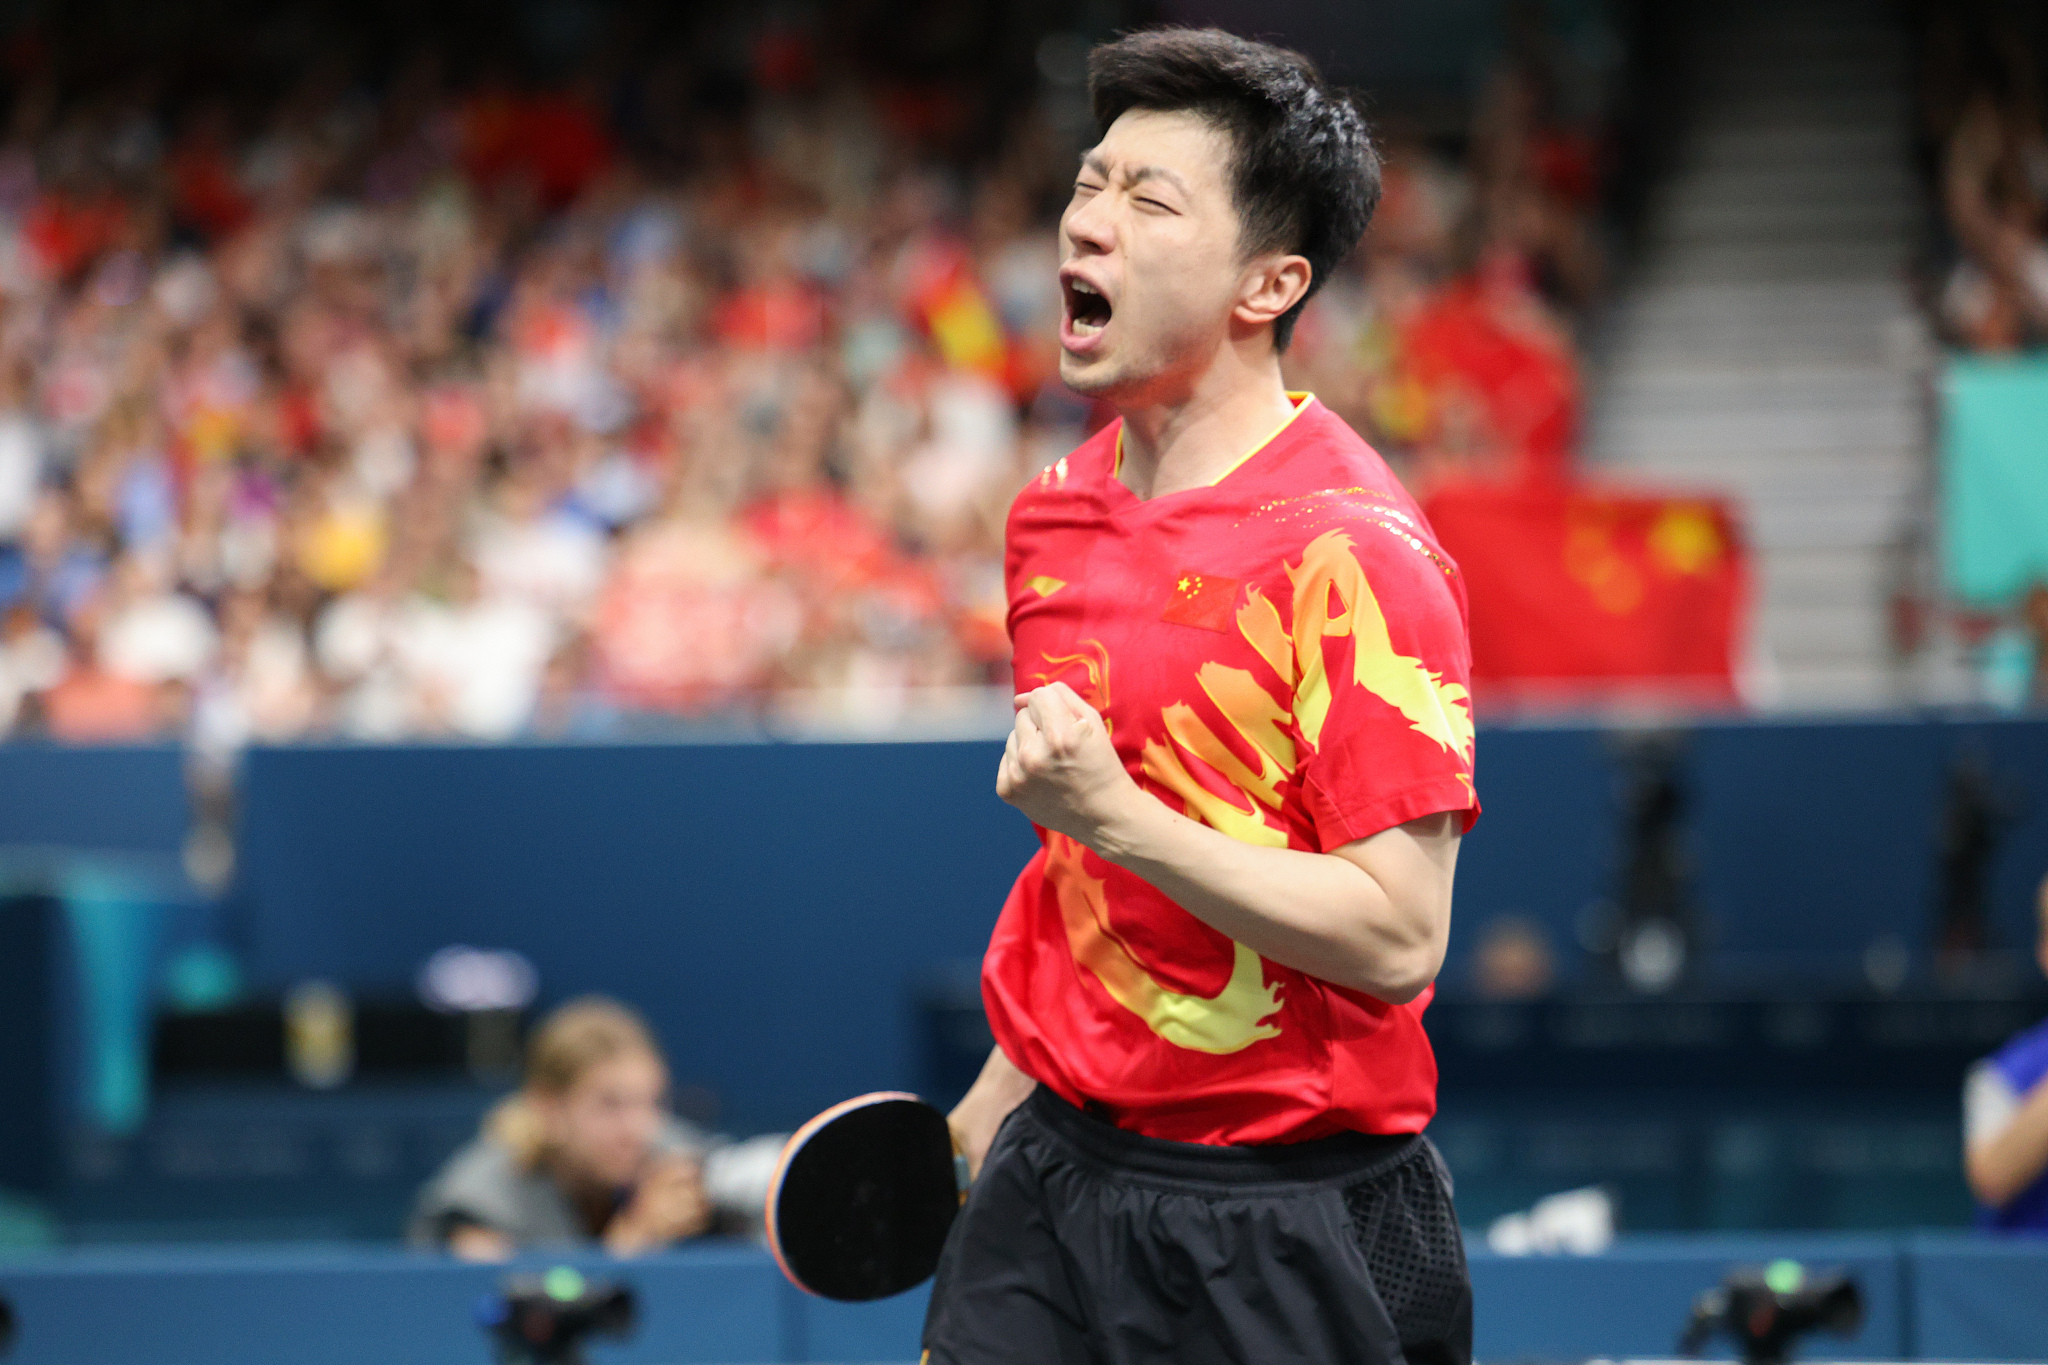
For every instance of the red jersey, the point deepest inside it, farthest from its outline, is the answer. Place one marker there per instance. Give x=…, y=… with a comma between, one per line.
x=1281, y=655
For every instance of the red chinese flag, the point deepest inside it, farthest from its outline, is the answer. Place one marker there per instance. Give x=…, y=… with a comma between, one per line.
x=1587, y=591
x=1205, y=601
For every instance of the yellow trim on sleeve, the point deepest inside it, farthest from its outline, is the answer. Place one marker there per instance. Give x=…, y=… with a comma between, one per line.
x=1301, y=400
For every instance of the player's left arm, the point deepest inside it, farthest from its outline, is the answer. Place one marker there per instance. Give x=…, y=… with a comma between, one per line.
x=1373, y=914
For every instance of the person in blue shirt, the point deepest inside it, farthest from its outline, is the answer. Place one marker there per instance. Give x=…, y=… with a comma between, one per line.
x=2005, y=1124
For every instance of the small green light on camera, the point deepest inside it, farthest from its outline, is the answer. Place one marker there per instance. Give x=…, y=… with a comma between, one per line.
x=1784, y=1277
x=563, y=1284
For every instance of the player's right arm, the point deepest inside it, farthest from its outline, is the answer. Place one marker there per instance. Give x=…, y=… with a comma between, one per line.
x=999, y=1088
x=1372, y=915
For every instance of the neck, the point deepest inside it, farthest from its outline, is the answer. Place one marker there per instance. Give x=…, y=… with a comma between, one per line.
x=1205, y=428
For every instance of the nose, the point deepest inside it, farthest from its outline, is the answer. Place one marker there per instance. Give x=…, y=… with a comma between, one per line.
x=1088, y=226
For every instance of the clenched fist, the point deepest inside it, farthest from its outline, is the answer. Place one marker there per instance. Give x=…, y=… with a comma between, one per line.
x=1060, y=768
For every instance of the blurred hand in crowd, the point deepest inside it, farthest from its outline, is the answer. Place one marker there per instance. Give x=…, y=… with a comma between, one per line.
x=668, y=1205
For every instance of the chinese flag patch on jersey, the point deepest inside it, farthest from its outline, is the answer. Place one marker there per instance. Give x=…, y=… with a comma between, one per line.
x=1202, y=600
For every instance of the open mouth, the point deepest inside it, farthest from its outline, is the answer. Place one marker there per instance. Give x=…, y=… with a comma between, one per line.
x=1087, y=310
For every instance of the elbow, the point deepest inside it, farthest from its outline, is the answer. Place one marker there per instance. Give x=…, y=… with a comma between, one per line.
x=1400, y=978
x=1401, y=992
x=1988, y=1182
x=1392, y=952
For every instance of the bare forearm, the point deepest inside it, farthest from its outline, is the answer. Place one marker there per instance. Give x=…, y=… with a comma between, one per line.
x=999, y=1088
x=1372, y=914
x=1318, y=913
x=2002, y=1167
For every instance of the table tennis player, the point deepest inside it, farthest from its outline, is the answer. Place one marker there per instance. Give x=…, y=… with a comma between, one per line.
x=1245, y=738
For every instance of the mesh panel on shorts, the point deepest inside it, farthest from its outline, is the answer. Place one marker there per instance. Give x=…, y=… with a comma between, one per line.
x=1409, y=1233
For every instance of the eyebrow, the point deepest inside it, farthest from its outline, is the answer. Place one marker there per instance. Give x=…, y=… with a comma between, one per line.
x=1096, y=164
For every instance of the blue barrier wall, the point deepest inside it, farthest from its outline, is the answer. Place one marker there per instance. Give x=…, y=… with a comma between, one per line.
x=1634, y=1300
x=1818, y=837
x=330, y=1307
x=1979, y=1298
x=69, y=1047
x=125, y=799
x=1807, y=838
x=769, y=906
x=1926, y=1298
x=774, y=906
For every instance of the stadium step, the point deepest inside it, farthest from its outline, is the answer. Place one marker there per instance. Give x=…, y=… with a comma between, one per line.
x=1799, y=324
x=1766, y=347
x=1770, y=220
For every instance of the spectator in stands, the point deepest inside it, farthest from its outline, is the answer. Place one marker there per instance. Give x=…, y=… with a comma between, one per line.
x=585, y=1152
x=2034, y=622
x=1996, y=298
x=1448, y=340
x=2005, y=1123
x=2012, y=660
x=1982, y=106
x=1514, y=960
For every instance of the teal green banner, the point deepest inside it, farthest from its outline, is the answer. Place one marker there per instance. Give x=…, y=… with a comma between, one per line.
x=1994, y=478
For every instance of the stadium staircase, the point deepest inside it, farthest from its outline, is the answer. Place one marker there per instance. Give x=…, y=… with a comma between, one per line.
x=1765, y=344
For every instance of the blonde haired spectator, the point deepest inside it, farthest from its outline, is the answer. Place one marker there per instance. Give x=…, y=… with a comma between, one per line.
x=586, y=1152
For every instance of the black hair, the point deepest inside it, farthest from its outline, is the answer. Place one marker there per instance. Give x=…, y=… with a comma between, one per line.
x=1304, y=175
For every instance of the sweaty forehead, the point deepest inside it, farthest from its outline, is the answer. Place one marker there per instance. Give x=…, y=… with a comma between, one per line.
x=1178, y=147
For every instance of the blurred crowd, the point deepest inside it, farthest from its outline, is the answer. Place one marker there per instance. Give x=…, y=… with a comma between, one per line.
x=1982, y=114
x=425, y=406
x=1986, y=129
x=1450, y=339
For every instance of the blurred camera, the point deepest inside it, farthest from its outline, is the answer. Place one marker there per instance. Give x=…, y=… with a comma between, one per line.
x=545, y=1319
x=1766, y=1310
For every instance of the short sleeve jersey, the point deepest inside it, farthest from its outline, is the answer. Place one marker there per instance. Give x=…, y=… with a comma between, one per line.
x=1283, y=656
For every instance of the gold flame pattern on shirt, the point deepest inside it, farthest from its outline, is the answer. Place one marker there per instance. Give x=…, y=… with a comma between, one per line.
x=1440, y=710
x=1226, y=1022
x=1093, y=656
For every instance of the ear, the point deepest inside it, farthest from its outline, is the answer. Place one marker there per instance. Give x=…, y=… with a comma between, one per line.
x=1272, y=285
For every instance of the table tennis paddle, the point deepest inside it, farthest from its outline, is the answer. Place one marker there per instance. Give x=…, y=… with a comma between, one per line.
x=863, y=1197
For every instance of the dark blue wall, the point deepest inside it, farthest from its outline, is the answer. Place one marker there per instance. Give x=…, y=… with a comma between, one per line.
x=125, y=799
x=769, y=906
x=1819, y=837
x=1545, y=845
x=774, y=907
x=1808, y=839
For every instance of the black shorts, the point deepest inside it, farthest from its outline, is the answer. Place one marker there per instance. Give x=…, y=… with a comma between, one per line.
x=1083, y=1244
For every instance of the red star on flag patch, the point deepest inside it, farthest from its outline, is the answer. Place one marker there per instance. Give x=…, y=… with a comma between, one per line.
x=1205, y=601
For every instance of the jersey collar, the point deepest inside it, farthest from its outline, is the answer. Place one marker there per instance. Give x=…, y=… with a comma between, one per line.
x=1301, y=399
